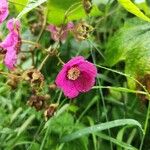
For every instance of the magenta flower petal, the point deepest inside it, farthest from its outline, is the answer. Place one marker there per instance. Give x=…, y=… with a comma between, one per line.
x=10, y=58
x=84, y=83
x=75, y=61
x=70, y=26
x=87, y=78
x=76, y=76
x=11, y=43
x=70, y=90
x=3, y=10
x=89, y=68
x=61, y=77
x=66, y=85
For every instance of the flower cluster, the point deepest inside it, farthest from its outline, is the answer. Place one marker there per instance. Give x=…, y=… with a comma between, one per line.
x=77, y=76
x=11, y=44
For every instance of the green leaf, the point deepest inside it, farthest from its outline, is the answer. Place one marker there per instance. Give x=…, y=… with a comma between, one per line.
x=30, y=5
x=57, y=10
x=19, y=4
x=132, y=8
x=100, y=127
x=62, y=123
x=132, y=45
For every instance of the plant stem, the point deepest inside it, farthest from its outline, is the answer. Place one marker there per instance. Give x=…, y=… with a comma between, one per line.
x=43, y=62
x=31, y=42
x=60, y=60
x=145, y=126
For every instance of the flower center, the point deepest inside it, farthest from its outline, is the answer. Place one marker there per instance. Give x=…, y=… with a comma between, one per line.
x=73, y=73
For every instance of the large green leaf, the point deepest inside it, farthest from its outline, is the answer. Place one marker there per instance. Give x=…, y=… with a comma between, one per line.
x=57, y=10
x=19, y=4
x=132, y=8
x=30, y=5
x=131, y=44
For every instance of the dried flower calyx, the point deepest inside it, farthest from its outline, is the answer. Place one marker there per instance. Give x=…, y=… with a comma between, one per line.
x=49, y=112
x=87, y=5
x=37, y=101
x=81, y=31
x=145, y=81
x=33, y=76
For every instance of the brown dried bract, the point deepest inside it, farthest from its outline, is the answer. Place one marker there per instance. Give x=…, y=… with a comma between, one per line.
x=145, y=81
x=49, y=112
x=52, y=86
x=37, y=101
x=87, y=5
x=2, y=51
x=81, y=31
x=14, y=78
x=33, y=76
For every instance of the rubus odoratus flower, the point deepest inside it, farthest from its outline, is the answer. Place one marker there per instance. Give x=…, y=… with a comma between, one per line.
x=77, y=76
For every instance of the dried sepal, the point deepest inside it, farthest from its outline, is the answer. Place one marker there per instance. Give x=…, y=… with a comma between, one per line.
x=50, y=110
x=52, y=86
x=33, y=76
x=37, y=101
x=145, y=81
x=81, y=31
x=87, y=5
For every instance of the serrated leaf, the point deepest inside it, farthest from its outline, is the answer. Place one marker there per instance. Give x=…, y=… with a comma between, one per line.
x=132, y=8
x=57, y=10
x=132, y=45
x=30, y=5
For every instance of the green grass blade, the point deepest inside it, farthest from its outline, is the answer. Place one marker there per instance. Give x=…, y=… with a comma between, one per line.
x=117, y=142
x=100, y=127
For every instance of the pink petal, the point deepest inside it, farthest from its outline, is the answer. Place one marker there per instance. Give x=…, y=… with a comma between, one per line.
x=69, y=89
x=55, y=31
x=51, y=28
x=61, y=77
x=87, y=78
x=10, y=58
x=66, y=85
x=10, y=44
x=89, y=68
x=13, y=24
x=75, y=61
x=10, y=40
x=3, y=10
x=84, y=83
x=70, y=25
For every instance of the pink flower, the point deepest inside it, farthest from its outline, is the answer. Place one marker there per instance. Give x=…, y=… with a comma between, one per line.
x=59, y=34
x=3, y=10
x=77, y=76
x=11, y=44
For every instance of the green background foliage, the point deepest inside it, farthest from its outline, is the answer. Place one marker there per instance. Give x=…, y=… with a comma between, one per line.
x=115, y=113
